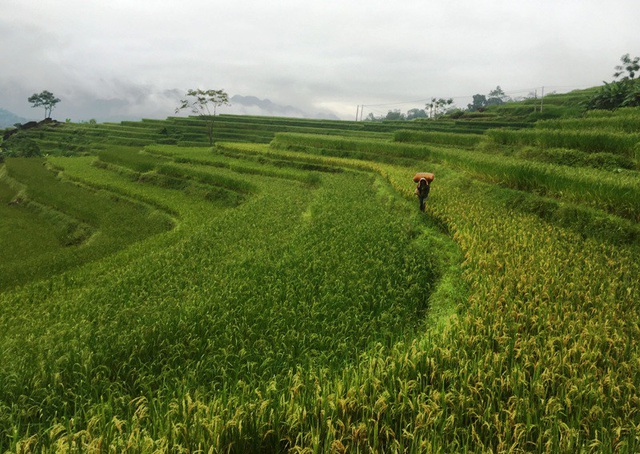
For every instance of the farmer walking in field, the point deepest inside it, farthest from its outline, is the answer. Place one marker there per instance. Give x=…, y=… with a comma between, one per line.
x=424, y=185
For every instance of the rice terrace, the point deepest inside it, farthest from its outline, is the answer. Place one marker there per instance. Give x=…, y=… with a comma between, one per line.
x=279, y=290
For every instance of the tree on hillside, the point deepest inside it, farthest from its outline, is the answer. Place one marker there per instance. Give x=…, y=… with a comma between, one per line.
x=631, y=66
x=202, y=103
x=395, y=115
x=436, y=107
x=45, y=99
x=372, y=117
x=497, y=97
x=619, y=93
x=412, y=114
x=478, y=104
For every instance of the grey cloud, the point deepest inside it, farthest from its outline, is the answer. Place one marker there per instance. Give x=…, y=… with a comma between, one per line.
x=310, y=55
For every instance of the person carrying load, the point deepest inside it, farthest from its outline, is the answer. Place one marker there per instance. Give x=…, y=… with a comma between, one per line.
x=424, y=180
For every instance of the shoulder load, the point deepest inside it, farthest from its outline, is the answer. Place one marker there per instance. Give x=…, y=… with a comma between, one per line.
x=426, y=175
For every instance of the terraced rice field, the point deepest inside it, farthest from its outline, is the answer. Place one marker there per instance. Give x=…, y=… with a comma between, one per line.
x=289, y=296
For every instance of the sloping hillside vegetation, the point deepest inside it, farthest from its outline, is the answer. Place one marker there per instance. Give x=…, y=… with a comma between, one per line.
x=281, y=291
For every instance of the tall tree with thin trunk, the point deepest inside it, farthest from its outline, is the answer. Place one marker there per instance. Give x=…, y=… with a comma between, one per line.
x=202, y=102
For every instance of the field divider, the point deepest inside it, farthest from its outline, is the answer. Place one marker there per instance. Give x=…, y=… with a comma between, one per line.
x=134, y=176
x=69, y=230
x=304, y=175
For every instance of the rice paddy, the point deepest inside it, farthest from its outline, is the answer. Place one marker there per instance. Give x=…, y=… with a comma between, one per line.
x=286, y=295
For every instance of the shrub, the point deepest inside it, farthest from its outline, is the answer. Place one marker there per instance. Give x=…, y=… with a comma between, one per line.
x=623, y=93
x=21, y=147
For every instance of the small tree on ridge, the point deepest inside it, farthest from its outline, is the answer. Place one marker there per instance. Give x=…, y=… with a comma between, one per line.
x=202, y=102
x=45, y=99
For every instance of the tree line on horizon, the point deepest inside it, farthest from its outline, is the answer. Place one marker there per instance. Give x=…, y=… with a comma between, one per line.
x=623, y=91
x=439, y=107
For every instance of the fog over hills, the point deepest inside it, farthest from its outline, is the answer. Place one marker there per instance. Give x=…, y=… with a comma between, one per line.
x=251, y=105
x=8, y=119
x=136, y=104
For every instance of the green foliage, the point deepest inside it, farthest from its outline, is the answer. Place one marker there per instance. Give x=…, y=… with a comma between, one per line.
x=44, y=99
x=19, y=146
x=478, y=104
x=628, y=68
x=620, y=93
x=412, y=114
x=395, y=115
x=616, y=94
x=204, y=103
x=437, y=107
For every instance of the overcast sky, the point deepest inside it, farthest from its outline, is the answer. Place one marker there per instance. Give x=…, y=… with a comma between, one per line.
x=120, y=58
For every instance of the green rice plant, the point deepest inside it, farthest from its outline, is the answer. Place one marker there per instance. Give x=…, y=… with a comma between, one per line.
x=24, y=234
x=620, y=124
x=588, y=141
x=482, y=126
x=276, y=300
x=576, y=158
x=610, y=192
x=453, y=139
x=206, y=176
x=133, y=160
x=300, y=320
x=617, y=194
x=228, y=155
x=349, y=148
x=88, y=225
x=524, y=352
x=625, y=112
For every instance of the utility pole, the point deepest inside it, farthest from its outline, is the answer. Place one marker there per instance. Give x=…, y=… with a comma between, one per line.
x=357, y=111
x=542, y=100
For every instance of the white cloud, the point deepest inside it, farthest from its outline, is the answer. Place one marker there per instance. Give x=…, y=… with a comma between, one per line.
x=310, y=55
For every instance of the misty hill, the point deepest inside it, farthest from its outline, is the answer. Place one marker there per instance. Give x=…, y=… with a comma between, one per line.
x=251, y=105
x=8, y=119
